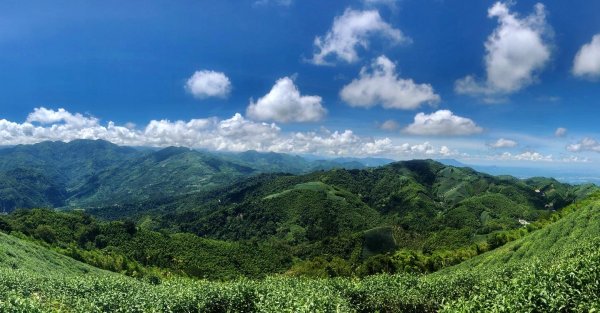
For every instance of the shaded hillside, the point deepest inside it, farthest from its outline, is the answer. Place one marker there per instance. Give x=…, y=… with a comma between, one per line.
x=70, y=164
x=29, y=188
x=167, y=172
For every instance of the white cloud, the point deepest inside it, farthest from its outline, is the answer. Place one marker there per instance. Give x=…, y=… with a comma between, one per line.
x=234, y=134
x=587, y=60
x=285, y=104
x=442, y=123
x=575, y=159
x=382, y=86
x=389, y=125
x=538, y=157
x=516, y=52
x=503, y=143
x=350, y=31
x=204, y=84
x=46, y=116
x=445, y=151
x=560, y=132
x=586, y=144
x=427, y=150
x=525, y=156
x=130, y=125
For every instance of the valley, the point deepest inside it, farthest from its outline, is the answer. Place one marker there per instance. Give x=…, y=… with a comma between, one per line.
x=199, y=218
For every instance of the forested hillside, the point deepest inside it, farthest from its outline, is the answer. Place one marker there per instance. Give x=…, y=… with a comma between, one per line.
x=420, y=208
x=554, y=268
x=94, y=173
x=420, y=235
x=412, y=216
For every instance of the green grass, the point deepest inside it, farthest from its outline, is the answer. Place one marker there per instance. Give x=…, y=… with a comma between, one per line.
x=316, y=186
x=18, y=254
x=555, y=269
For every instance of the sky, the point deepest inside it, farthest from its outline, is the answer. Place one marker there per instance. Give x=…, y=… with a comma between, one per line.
x=485, y=82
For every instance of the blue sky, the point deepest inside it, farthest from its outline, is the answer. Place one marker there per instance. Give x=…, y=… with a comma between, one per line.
x=315, y=77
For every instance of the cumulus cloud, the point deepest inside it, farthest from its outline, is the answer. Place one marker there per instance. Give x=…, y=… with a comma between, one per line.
x=503, y=143
x=233, y=134
x=351, y=30
x=586, y=144
x=587, y=60
x=526, y=156
x=560, y=132
x=516, y=52
x=204, y=84
x=381, y=85
x=389, y=125
x=427, y=150
x=46, y=116
x=285, y=104
x=442, y=123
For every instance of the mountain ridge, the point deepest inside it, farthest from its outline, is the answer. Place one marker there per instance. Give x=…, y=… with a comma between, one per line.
x=91, y=172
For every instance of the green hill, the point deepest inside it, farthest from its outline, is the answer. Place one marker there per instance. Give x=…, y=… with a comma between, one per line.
x=553, y=269
x=21, y=255
x=44, y=174
x=418, y=205
x=580, y=224
x=97, y=173
x=69, y=164
x=26, y=188
x=167, y=172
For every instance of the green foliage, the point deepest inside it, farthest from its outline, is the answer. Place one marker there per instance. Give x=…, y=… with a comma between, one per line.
x=27, y=188
x=554, y=269
x=359, y=216
x=122, y=247
x=97, y=173
x=155, y=175
x=444, y=213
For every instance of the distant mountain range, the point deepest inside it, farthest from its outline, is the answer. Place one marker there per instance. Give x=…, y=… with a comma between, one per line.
x=97, y=173
x=85, y=173
x=156, y=214
x=567, y=174
x=215, y=216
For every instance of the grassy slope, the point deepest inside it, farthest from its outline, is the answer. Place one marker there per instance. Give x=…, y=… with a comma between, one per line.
x=553, y=269
x=580, y=225
x=556, y=268
x=21, y=255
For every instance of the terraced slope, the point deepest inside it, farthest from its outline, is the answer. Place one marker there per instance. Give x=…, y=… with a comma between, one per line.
x=556, y=269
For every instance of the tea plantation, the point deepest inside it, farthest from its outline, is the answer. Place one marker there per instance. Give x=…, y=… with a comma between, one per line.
x=554, y=269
